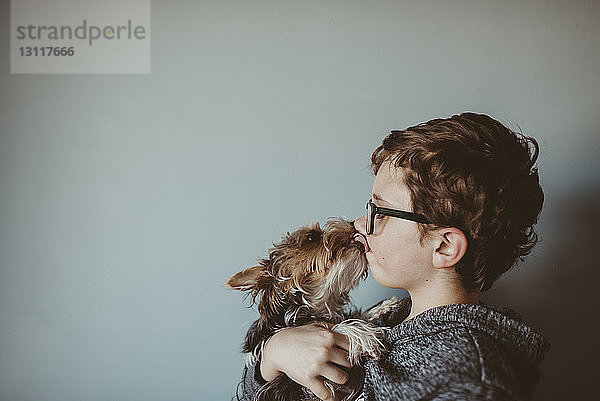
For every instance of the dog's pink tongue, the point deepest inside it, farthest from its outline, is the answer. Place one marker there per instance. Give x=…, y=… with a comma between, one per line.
x=361, y=238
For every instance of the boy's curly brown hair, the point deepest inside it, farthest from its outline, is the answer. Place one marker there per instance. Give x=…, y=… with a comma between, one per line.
x=471, y=172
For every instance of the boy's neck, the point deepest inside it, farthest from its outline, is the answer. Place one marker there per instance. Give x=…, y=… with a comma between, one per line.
x=428, y=298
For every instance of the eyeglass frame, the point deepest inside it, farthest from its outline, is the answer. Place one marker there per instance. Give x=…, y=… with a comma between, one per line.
x=401, y=214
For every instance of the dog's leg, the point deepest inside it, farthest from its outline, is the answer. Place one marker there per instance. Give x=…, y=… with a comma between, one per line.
x=366, y=339
x=384, y=307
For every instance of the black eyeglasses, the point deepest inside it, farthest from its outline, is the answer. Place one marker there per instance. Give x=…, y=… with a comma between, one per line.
x=373, y=210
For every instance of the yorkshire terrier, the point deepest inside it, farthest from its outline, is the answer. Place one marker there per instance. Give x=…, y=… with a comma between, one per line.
x=307, y=278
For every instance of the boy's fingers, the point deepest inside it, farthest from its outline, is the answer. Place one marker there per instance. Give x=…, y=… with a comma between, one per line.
x=341, y=341
x=334, y=374
x=318, y=388
x=340, y=357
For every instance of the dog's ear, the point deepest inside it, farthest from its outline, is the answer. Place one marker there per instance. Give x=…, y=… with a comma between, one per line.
x=246, y=279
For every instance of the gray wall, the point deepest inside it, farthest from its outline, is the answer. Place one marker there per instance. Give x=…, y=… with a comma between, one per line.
x=126, y=201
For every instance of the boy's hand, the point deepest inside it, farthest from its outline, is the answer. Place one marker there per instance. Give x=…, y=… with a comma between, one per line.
x=307, y=354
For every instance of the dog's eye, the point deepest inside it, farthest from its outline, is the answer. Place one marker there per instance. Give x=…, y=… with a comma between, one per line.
x=313, y=236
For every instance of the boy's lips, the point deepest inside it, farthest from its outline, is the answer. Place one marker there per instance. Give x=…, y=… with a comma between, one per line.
x=358, y=237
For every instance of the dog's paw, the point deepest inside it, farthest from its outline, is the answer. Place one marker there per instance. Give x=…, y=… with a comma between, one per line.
x=365, y=339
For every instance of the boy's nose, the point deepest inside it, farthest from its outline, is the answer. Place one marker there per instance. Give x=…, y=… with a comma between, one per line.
x=359, y=224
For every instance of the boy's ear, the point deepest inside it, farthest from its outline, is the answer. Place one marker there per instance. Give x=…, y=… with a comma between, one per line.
x=246, y=279
x=451, y=247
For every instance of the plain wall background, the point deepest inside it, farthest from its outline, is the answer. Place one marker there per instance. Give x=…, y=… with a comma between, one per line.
x=126, y=201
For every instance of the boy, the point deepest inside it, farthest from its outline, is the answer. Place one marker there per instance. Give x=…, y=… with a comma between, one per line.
x=453, y=207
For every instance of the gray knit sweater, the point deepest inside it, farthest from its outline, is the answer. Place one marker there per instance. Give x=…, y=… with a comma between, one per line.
x=451, y=352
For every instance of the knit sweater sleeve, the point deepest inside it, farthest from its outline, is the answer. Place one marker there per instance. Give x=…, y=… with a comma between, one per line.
x=251, y=382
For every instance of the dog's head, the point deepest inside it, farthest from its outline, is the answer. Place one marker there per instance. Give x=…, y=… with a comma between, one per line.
x=312, y=269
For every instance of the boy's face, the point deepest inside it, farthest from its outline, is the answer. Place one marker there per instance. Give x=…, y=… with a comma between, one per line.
x=395, y=255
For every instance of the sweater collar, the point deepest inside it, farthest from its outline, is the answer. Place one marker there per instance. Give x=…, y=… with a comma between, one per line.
x=505, y=325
